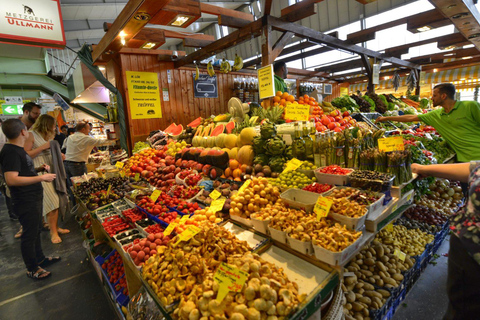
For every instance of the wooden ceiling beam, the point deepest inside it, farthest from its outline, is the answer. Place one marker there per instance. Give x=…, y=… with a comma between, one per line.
x=312, y=35
x=125, y=22
x=299, y=10
x=268, y=7
x=219, y=11
x=232, y=22
x=277, y=48
x=253, y=29
x=196, y=43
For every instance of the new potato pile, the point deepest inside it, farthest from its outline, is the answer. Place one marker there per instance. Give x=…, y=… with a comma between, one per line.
x=267, y=294
x=410, y=241
x=374, y=265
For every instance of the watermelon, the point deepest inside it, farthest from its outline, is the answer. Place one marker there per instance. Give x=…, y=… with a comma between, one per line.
x=177, y=130
x=195, y=123
x=171, y=127
x=230, y=126
x=218, y=129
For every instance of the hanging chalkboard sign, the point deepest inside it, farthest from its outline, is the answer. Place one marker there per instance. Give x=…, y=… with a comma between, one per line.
x=205, y=86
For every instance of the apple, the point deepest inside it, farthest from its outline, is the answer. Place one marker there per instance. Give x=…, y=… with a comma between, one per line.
x=335, y=113
x=346, y=114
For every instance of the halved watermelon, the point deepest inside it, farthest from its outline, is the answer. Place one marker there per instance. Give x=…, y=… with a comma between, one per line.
x=195, y=123
x=177, y=130
x=170, y=128
x=218, y=129
x=230, y=126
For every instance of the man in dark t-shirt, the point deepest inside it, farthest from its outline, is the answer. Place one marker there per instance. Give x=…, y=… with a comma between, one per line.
x=27, y=196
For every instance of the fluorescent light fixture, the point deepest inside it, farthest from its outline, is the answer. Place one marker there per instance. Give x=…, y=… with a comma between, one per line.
x=180, y=20
x=101, y=68
x=435, y=70
x=122, y=40
x=424, y=28
x=122, y=34
x=450, y=47
x=386, y=78
x=465, y=58
x=149, y=45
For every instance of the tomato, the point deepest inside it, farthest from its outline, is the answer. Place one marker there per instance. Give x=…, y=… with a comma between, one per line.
x=335, y=113
x=331, y=125
x=337, y=119
x=325, y=121
x=346, y=114
x=338, y=129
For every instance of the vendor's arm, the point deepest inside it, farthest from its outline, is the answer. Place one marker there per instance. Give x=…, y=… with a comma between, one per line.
x=404, y=118
x=14, y=180
x=29, y=146
x=101, y=142
x=454, y=171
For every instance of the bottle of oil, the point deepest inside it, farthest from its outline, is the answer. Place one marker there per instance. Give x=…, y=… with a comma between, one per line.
x=298, y=144
x=308, y=142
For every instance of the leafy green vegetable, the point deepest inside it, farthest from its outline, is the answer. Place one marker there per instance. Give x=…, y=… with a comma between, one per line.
x=345, y=102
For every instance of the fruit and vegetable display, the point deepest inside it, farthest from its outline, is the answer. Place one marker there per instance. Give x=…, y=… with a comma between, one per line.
x=443, y=195
x=142, y=249
x=371, y=180
x=347, y=208
x=426, y=214
x=318, y=187
x=293, y=179
x=334, y=169
x=114, y=225
x=409, y=241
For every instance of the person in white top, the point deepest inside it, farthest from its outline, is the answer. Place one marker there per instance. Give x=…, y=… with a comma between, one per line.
x=79, y=146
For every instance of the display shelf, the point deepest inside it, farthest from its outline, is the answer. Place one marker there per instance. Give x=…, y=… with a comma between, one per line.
x=396, y=191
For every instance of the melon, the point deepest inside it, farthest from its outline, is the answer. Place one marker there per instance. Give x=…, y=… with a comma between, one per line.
x=170, y=128
x=210, y=142
x=232, y=153
x=245, y=155
x=196, y=141
x=239, y=142
x=230, y=126
x=218, y=130
x=218, y=158
x=247, y=135
x=226, y=150
x=230, y=141
x=220, y=140
x=177, y=130
x=195, y=123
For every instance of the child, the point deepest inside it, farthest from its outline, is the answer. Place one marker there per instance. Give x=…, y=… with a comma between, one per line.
x=27, y=196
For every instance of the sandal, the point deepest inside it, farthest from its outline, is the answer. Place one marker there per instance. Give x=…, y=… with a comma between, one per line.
x=49, y=261
x=40, y=274
x=19, y=233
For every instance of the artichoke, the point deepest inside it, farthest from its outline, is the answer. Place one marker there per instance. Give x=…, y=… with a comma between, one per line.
x=261, y=159
x=258, y=145
x=275, y=146
x=288, y=152
x=268, y=131
x=277, y=163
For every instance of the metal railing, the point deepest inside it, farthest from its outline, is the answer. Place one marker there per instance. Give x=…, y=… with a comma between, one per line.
x=63, y=62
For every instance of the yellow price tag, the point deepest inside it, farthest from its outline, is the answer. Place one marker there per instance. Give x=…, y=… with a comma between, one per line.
x=401, y=255
x=188, y=233
x=297, y=112
x=217, y=205
x=155, y=194
x=170, y=228
x=322, y=207
x=266, y=84
x=122, y=174
x=109, y=190
x=245, y=186
x=409, y=197
x=391, y=144
x=137, y=176
x=184, y=219
x=394, y=208
x=119, y=164
x=389, y=227
x=292, y=165
x=215, y=194
x=229, y=279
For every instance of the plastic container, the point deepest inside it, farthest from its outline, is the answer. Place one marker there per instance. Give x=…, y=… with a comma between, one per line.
x=373, y=185
x=350, y=223
x=277, y=235
x=260, y=225
x=244, y=221
x=336, y=258
x=300, y=199
x=126, y=234
x=301, y=246
x=334, y=179
x=376, y=207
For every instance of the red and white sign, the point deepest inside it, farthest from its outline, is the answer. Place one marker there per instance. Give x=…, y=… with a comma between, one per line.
x=32, y=22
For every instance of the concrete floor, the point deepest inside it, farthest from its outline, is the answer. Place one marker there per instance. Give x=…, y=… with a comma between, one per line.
x=72, y=292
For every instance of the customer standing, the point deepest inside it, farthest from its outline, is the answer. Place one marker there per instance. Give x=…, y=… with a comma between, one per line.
x=37, y=147
x=457, y=121
x=3, y=185
x=27, y=196
x=463, y=281
x=79, y=146
x=62, y=135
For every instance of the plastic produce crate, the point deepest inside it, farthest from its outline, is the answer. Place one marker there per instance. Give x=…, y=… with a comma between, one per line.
x=332, y=179
x=300, y=199
x=350, y=223
x=336, y=258
x=373, y=185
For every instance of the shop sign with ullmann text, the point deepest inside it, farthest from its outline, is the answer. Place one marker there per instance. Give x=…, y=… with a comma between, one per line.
x=32, y=22
x=143, y=95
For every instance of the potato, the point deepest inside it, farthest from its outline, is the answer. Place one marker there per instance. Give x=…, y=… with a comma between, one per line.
x=350, y=280
x=366, y=273
x=397, y=276
x=365, y=300
x=379, y=251
x=384, y=293
x=368, y=286
x=369, y=261
x=357, y=306
x=350, y=296
x=381, y=266
x=372, y=294
x=390, y=281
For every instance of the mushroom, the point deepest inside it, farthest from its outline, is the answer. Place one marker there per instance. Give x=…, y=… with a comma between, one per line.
x=270, y=318
x=203, y=304
x=237, y=316
x=180, y=284
x=215, y=307
x=260, y=304
x=186, y=308
x=240, y=298
x=208, y=294
x=286, y=296
x=255, y=283
x=255, y=266
x=281, y=308
x=265, y=280
x=250, y=293
x=194, y=315
x=272, y=310
x=265, y=292
x=253, y=314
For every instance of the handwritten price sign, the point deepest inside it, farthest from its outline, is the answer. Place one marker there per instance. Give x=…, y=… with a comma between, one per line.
x=297, y=112
x=229, y=279
x=322, y=207
x=391, y=144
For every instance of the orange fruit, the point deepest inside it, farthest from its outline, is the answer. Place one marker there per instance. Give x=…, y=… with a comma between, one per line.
x=276, y=99
x=275, y=104
x=291, y=98
x=234, y=164
x=306, y=96
x=243, y=167
x=285, y=95
x=228, y=172
x=237, y=173
x=279, y=93
x=283, y=101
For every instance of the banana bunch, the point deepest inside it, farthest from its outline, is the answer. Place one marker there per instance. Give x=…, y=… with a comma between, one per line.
x=238, y=64
x=210, y=70
x=225, y=66
x=197, y=72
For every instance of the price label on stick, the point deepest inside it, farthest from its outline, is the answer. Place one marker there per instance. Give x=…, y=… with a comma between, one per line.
x=245, y=185
x=391, y=144
x=389, y=227
x=229, y=279
x=292, y=165
x=170, y=228
x=322, y=207
x=122, y=173
x=119, y=165
x=217, y=205
x=215, y=194
x=188, y=234
x=184, y=219
x=109, y=190
x=401, y=255
x=137, y=176
x=155, y=194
